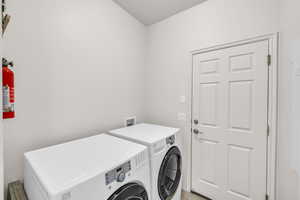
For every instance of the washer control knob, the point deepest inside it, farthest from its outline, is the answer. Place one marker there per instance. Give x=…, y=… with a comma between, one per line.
x=121, y=177
x=171, y=140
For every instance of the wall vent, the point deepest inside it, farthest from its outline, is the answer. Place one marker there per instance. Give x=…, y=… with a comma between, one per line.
x=131, y=121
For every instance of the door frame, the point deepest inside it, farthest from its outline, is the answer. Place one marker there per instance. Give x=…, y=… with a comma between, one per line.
x=272, y=145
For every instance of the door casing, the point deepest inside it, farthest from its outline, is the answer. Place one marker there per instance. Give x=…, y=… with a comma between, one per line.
x=272, y=109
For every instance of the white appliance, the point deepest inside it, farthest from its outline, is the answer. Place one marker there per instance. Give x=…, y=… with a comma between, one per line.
x=102, y=167
x=165, y=157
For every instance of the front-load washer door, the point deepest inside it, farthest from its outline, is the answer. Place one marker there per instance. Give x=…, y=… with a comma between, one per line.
x=130, y=191
x=170, y=174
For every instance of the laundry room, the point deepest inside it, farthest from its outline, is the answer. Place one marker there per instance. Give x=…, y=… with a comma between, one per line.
x=150, y=100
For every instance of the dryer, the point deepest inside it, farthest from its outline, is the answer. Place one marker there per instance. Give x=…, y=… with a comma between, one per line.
x=165, y=157
x=101, y=167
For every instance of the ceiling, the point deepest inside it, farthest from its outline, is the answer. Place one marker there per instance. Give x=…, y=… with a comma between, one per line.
x=151, y=11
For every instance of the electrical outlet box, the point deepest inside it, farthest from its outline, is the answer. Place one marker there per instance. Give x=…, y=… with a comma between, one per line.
x=131, y=121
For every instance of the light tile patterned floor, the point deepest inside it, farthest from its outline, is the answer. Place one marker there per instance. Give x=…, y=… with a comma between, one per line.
x=190, y=196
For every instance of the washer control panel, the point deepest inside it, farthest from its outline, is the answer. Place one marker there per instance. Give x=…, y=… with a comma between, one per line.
x=118, y=174
x=171, y=140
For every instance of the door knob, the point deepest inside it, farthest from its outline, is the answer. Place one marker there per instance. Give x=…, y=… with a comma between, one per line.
x=197, y=132
x=196, y=121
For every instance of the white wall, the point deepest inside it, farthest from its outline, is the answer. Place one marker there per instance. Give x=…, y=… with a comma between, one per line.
x=169, y=61
x=79, y=67
x=289, y=98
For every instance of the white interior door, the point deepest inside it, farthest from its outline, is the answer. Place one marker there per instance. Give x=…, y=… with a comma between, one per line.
x=230, y=114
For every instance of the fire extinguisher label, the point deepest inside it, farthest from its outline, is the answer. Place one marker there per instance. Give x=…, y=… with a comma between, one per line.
x=7, y=105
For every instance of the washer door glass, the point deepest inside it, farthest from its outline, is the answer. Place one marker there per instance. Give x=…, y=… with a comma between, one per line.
x=170, y=174
x=130, y=191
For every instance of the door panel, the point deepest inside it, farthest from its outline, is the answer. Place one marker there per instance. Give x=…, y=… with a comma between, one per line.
x=241, y=62
x=208, y=105
x=230, y=101
x=240, y=105
x=207, y=150
x=238, y=174
x=210, y=66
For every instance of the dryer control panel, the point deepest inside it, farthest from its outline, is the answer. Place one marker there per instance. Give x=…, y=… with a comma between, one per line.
x=118, y=174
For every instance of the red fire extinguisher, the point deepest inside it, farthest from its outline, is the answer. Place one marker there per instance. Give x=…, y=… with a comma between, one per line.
x=8, y=89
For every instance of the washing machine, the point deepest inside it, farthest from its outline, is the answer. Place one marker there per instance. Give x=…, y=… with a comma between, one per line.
x=101, y=167
x=165, y=157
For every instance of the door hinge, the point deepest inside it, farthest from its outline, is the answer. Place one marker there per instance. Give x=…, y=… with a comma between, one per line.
x=268, y=130
x=269, y=60
x=267, y=197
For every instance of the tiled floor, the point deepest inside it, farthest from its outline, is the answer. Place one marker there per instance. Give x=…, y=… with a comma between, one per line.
x=190, y=196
